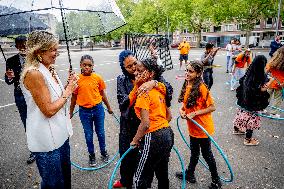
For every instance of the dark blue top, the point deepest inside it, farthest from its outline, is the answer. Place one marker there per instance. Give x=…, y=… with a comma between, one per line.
x=274, y=46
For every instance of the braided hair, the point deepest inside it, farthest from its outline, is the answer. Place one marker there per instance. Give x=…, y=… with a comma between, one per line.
x=194, y=92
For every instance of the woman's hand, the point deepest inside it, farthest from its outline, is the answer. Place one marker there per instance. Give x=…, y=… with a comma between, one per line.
x=72, y=84
x=146, y=87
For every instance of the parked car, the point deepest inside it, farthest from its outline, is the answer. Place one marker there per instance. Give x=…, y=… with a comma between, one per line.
x=203, y=44
x=116, y=44
x=174, y=45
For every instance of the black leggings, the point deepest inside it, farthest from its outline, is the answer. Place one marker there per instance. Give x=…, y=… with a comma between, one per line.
x=155, y=149
x=205, y=145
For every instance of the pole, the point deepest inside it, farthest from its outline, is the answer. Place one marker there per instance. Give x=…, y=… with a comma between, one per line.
x=278, y=17
x=168, y=28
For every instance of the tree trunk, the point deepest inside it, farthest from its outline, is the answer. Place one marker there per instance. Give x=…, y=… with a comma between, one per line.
x=247, y=38
x=157, y=30
x=198, y=38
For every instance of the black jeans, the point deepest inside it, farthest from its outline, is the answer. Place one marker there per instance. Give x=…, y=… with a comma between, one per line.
x=21, y=105
x=154, y=157
x=208, y=78
x=205, y=145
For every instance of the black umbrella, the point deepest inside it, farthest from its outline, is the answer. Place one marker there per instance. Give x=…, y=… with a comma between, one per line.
x=104, y=15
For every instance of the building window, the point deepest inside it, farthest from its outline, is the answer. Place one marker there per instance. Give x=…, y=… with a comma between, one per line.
x=239, y=27
x=269, y=22
x=217, y=28
x=257, y=24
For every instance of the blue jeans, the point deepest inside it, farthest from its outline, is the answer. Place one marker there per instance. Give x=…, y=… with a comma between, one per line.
x=90, y=117
x=55, y=167
x=21, y=105
x=228, y=63
x=239, y=73
x=208, y=78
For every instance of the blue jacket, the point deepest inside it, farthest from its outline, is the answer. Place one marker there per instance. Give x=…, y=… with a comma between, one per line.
x=274, y=46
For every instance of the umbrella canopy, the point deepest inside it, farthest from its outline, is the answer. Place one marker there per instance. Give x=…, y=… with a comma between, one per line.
x=93, y=17
x=19, y=23
x=103, y=16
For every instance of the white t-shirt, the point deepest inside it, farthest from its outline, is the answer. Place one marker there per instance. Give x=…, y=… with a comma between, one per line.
x=229, y=49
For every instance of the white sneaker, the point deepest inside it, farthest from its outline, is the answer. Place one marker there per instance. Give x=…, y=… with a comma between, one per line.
x=232, y=89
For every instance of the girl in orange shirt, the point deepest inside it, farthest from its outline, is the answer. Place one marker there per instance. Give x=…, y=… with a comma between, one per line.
x=275, y=68
x=154, y=135
x=198, y=105
x=89, y=95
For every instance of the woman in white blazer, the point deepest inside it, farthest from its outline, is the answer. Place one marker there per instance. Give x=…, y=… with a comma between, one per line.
x=48, y=123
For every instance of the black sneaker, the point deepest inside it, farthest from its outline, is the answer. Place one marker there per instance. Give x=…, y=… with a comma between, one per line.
x=105, y=156
x=31, y=159
x=92, y=160
x=190, y=179
x=215, y=184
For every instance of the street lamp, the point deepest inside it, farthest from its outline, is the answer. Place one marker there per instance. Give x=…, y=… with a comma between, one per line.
x=278, y=17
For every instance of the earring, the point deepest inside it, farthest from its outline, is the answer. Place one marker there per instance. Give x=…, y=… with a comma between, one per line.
x=39, y=58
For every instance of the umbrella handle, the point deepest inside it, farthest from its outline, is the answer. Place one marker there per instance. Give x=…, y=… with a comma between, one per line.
x=65, y=35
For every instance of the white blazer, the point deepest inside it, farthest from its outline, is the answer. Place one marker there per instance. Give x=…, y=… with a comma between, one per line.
x=46, y=134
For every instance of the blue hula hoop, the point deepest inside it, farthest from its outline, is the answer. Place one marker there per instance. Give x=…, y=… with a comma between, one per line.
x=110, y=183
x=263, y=115
x=274, y=107
x=215, y=144
x=101, y=166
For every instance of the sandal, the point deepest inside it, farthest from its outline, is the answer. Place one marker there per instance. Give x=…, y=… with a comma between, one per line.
x=238, y=132
x=251, y=142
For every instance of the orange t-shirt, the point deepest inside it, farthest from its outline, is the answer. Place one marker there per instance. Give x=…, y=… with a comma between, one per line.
x=155, y=103
x=184, y=48
x=277, y=74
x=241, y=63
x=133, y=94
x=88, y=90
x=205, y=120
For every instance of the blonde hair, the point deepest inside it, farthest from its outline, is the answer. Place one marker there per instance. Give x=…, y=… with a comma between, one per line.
x=38, y=42
x=277, y=61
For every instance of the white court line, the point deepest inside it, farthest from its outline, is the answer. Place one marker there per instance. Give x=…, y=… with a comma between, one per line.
x=7, y=105
x=2, y=80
